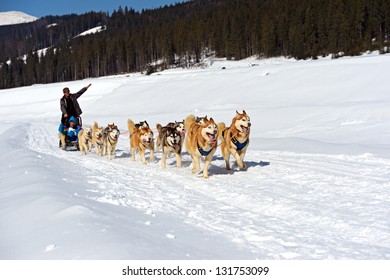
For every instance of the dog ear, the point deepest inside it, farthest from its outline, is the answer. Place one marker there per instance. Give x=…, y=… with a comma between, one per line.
x=244, y=112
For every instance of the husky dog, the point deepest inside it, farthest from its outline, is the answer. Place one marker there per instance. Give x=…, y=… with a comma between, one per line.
x=182, y=130
x=169, y=138
x=179, y=126
x=97, y=138
x=201, y=120
x=85, y=140
x=142, y=124
x=201, y=141
x=235, y=139
x=110, y=139
x=140, y=139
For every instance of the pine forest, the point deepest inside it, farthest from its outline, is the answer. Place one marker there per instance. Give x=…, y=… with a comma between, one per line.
x=50, y=49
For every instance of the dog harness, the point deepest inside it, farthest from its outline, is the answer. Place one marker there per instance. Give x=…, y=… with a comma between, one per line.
x=234, y=140
x=112, y=141
x=203, y=152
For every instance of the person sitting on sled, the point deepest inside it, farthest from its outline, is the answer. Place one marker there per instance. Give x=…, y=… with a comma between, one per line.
x=69, y=132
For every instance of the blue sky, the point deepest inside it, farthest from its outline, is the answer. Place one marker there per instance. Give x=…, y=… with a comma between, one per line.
x=40, y=8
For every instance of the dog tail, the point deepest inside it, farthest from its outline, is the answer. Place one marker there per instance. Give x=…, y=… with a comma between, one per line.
x=159, y=141
x=159, y=127
x=131, y=126
x=221, y=128
x=189, y=121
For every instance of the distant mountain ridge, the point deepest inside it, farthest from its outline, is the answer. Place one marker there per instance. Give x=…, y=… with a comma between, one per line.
x=15, y=17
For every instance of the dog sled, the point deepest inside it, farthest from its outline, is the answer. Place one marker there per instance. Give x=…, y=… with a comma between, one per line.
x=69, y=135
x=70, y=145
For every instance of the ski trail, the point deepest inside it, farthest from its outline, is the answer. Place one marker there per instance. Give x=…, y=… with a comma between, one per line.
x=278, y=208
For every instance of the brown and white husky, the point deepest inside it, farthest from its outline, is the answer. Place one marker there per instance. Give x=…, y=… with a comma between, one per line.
x=201, y=141
x=140, y=139
x=235, y=139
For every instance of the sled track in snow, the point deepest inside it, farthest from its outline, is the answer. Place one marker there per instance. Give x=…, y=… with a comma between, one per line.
x=293, y=203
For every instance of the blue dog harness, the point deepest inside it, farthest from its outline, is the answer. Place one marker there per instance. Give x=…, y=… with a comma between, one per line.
x=203, y=152
x=234, y=140
x=238, y=144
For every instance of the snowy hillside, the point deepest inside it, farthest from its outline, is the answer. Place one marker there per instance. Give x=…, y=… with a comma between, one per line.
x=92, y=31
x=317, y=184
x=8, y=18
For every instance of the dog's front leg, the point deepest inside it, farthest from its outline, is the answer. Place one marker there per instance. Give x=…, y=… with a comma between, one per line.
x=237, y=157
x=85, y=147
x=109, y=152
x=97, y=149
x=207, y=163
x=81, y=145
x=196, y=164
x=152, y=154
x=178, y=160
x=242, y=155
x=62, y=139
x=133, y=154
x=89, y=146
x=164, y=159
x=104, y=149
x=227, y=159
x=143, y=159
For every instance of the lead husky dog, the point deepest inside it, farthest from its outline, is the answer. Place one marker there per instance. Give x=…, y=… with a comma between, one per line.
x=140, y=139
x=85, y=140
x=235, y=139
x=110, y=139
x=201, y=141
x=97, y=138
x=169, y=139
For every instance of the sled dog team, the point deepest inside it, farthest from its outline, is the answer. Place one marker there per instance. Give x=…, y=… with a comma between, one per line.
x=201, y=140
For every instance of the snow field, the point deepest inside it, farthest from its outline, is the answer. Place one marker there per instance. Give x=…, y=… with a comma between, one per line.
x=316, y=187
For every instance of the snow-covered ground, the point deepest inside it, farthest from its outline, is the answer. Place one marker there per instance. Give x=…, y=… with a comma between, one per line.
x=93, y=31
x=15, y=17
x=317, y=184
